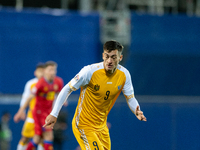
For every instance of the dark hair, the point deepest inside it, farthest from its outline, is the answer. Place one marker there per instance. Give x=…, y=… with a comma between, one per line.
x=50, y=63
x=40, y=65
x=113, y=45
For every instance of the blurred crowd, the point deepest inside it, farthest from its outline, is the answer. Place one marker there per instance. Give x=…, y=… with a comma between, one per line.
x=5, y=131
x=189, y=7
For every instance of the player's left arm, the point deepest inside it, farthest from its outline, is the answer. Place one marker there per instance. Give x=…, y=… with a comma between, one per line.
x=132, y=102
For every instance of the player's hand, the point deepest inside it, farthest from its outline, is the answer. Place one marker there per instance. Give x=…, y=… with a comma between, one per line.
x=20, y=115
x=139, y=114
x=50, y=121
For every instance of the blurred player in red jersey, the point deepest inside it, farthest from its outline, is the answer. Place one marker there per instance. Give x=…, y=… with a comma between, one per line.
x=28, y=128
x=45, y=91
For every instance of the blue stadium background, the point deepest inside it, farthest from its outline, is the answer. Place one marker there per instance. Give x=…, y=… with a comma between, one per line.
x=163, y=60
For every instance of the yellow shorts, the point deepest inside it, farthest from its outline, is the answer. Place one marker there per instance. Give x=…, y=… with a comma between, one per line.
x=92, y=140
x=28, y=128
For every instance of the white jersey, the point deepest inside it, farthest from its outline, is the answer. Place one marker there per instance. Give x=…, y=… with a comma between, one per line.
x=27, y=92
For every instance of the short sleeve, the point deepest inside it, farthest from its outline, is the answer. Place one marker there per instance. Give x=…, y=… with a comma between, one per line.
x=26, y=93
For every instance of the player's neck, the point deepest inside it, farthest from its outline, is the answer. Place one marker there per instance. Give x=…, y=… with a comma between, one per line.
x=110, y=72
x=48, y=80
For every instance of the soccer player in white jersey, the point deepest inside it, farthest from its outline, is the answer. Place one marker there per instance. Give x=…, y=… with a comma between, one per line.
x=100, y=85
x=28, y=128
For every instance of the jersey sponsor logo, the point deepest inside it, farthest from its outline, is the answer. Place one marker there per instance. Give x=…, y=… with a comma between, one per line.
x=97, y=87
x=109, y=82
x=50, y=96
x=76, y=78
x=119, y=87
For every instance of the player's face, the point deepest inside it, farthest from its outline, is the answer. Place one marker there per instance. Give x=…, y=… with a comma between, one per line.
x=111, y=60
x=39, y=72
x=50, y=72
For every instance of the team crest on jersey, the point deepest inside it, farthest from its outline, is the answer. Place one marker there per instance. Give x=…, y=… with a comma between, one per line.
x=119, y=87
x=45, y=88
x=55, y=87
x=97, y=87
x=76, y=78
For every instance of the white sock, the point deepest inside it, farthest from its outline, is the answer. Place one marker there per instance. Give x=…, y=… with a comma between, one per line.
x=40, y=147
x=21, y=147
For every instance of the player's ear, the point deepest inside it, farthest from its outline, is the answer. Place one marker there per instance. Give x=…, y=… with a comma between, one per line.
x=121, y=57
x=102, y=55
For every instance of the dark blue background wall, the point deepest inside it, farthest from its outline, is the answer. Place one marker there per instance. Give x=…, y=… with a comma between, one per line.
x=164, y=55
x=30, y=37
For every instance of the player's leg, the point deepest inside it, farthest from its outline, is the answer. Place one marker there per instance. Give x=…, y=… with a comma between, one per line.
x=34, y=141
x=27, y=134
x=48, y=139
x=23, y=143
x=87, y=140
x=47, y=133
x=33, y=144
x=105, y=138
x=40, y=145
